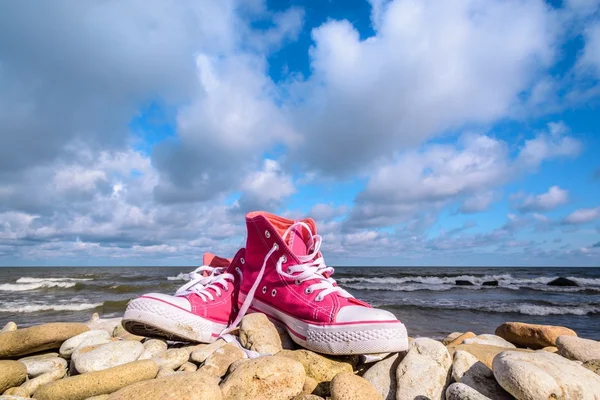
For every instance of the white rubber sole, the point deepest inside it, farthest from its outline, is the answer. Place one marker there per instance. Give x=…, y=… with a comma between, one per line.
x=371, y=337
x=154, y=318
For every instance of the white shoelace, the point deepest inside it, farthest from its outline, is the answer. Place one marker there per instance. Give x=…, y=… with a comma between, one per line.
x=309, y=269
x=215, y=278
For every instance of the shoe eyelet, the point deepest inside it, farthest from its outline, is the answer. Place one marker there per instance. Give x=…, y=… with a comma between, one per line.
x=267, y=234
x=264, y=289
x=242, y=261
x=273, y=292
x=219, y=294
x=284, y=258
x=318, y=298
x=297, y=282
x=308, y=290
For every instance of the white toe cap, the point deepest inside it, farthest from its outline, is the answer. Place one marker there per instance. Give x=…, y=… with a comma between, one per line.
x=360, y=313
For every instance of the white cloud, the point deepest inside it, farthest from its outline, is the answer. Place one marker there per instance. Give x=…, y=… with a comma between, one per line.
x=582, y=216
x=478, y=202
x=554, y=197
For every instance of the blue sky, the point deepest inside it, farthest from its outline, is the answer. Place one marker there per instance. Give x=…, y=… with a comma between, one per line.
x=414, y=132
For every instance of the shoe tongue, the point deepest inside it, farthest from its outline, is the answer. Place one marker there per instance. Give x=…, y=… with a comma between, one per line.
x=297, y=241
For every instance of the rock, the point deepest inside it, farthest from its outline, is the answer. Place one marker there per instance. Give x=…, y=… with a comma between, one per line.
x=551, y=349
x=575, y=348
x=110, y=380
x=468, y=370
x=486, y=353
x=461, y=338
x=562, y=282
x=593, y=365
x=9, y=327
x=237, y=363
x=172, y=358
x=184, y=386
x=490, y=283
x=200, y=355
x=347, y=386
x=188, y=367
x=460, y=391
x=37, y=367
x=451, y=337
x=318, y=367
x=163, y=372
x=11, y=397
x=219, y=361
x=310, y=384
x=382, y=376
x=12, y=373
x=40, y=356
x=38, y=338
x=532, y=336
x=301, y=396
x=103, y=324
x=460, y=282
x=91, y=359
x=154, y=347
x=29, y=387
x=286, y=341
x=259, y=334
x=100, y=397
x=424, y=372
x=491, y=340
x=191, y=349
x=120, y=332
x=271, y=377
x=543, y=375
x=96, y=336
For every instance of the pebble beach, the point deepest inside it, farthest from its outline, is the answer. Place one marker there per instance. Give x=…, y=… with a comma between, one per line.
x=98, y=359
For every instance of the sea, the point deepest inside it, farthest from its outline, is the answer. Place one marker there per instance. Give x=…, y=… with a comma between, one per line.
x=427, y=300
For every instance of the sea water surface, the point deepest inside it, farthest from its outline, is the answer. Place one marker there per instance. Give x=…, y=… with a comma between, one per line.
x=427, y=300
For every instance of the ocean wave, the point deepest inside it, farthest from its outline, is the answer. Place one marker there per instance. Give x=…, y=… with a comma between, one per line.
x=22, y=287
x=181, y=277
x=26, y=279
x=49, y=307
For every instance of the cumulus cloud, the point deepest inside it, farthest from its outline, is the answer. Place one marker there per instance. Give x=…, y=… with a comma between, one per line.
x=582, y=216
x=554, y=197
x=477, y=203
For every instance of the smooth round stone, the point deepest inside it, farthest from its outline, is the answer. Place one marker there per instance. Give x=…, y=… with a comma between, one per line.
x=9, y=327
x=259, y=334
x=188, y=367
x=451, y=337
x=219, y=361
x=29, y=387
x=39, y=356
x=491, y=340
x=575, y=348
x=305, y=396
x=11, y=397
x=38, y=338
x=37, y=367
x=165, y=372
x=153, y=347
x=424, y=371
x=382, y=375
x=460, y=339
x=80, y=387
x=172, y=358
x=107, y=356
x=467, y=369
x=347, y=386
x=100, y=397
x=183, y=386
x=543, y=375
x=70, y=345
x=200, y=355
x=531, y=335
x=460, y=391
x=270, y=377
x=12, y=373
x=486, y=353
x=121, y=333
x=103, y=324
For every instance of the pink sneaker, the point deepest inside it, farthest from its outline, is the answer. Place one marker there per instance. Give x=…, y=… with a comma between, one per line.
x=200, y=310
x=285, y=277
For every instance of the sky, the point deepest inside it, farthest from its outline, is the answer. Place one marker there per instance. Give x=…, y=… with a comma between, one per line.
x=415, y=132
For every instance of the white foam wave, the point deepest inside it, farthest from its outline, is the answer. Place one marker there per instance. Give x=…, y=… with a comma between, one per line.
x=22, y=287
x=50, y=307
x=532, y=309
x=585, y=281
x=27, y=279
x=180, y=277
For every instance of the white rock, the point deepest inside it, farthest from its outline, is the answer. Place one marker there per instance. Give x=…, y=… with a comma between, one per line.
x=105, y=324
x=544, y=375
x=172, y=358
x=575, y=348
x=37, y=367
x=382, y=376
x=70, y=345
x=153, y=347
x=202, y=354
x=33, y=384
x=424, y=372
x=491, y=340
x=468, y=370
x=107, y=355
x=9, y=327
x=460, y=391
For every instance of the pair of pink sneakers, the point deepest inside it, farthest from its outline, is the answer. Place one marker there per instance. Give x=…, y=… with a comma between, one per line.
x=282, y=274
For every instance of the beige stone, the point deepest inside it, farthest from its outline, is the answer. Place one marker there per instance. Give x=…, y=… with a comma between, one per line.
x=188, y=367
x=303, y=396
x=172, y=358
x=575, y=348
x=184, y=386
x=451, y=337
x=259, y=334
x=551, y=349
x=318, y=367
x=593, y=365
x=532, y=336
x=37, y=367
x=491, y=340
x=107, y=355
x=9, y=327
x=486, y=353
x=460, y=391
x=347, y=386
x=468, y=370
x=219, y=361
x=100, y=397
x=105, y=324
x=270, y=377
x=29, y=387
x=120, y=332
x=382, y=375
x=38, y=338
x=83, y=339
x=154, y=347
x=12, y=373
x=97, y=383
x=459, y=340
x=201, y=354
